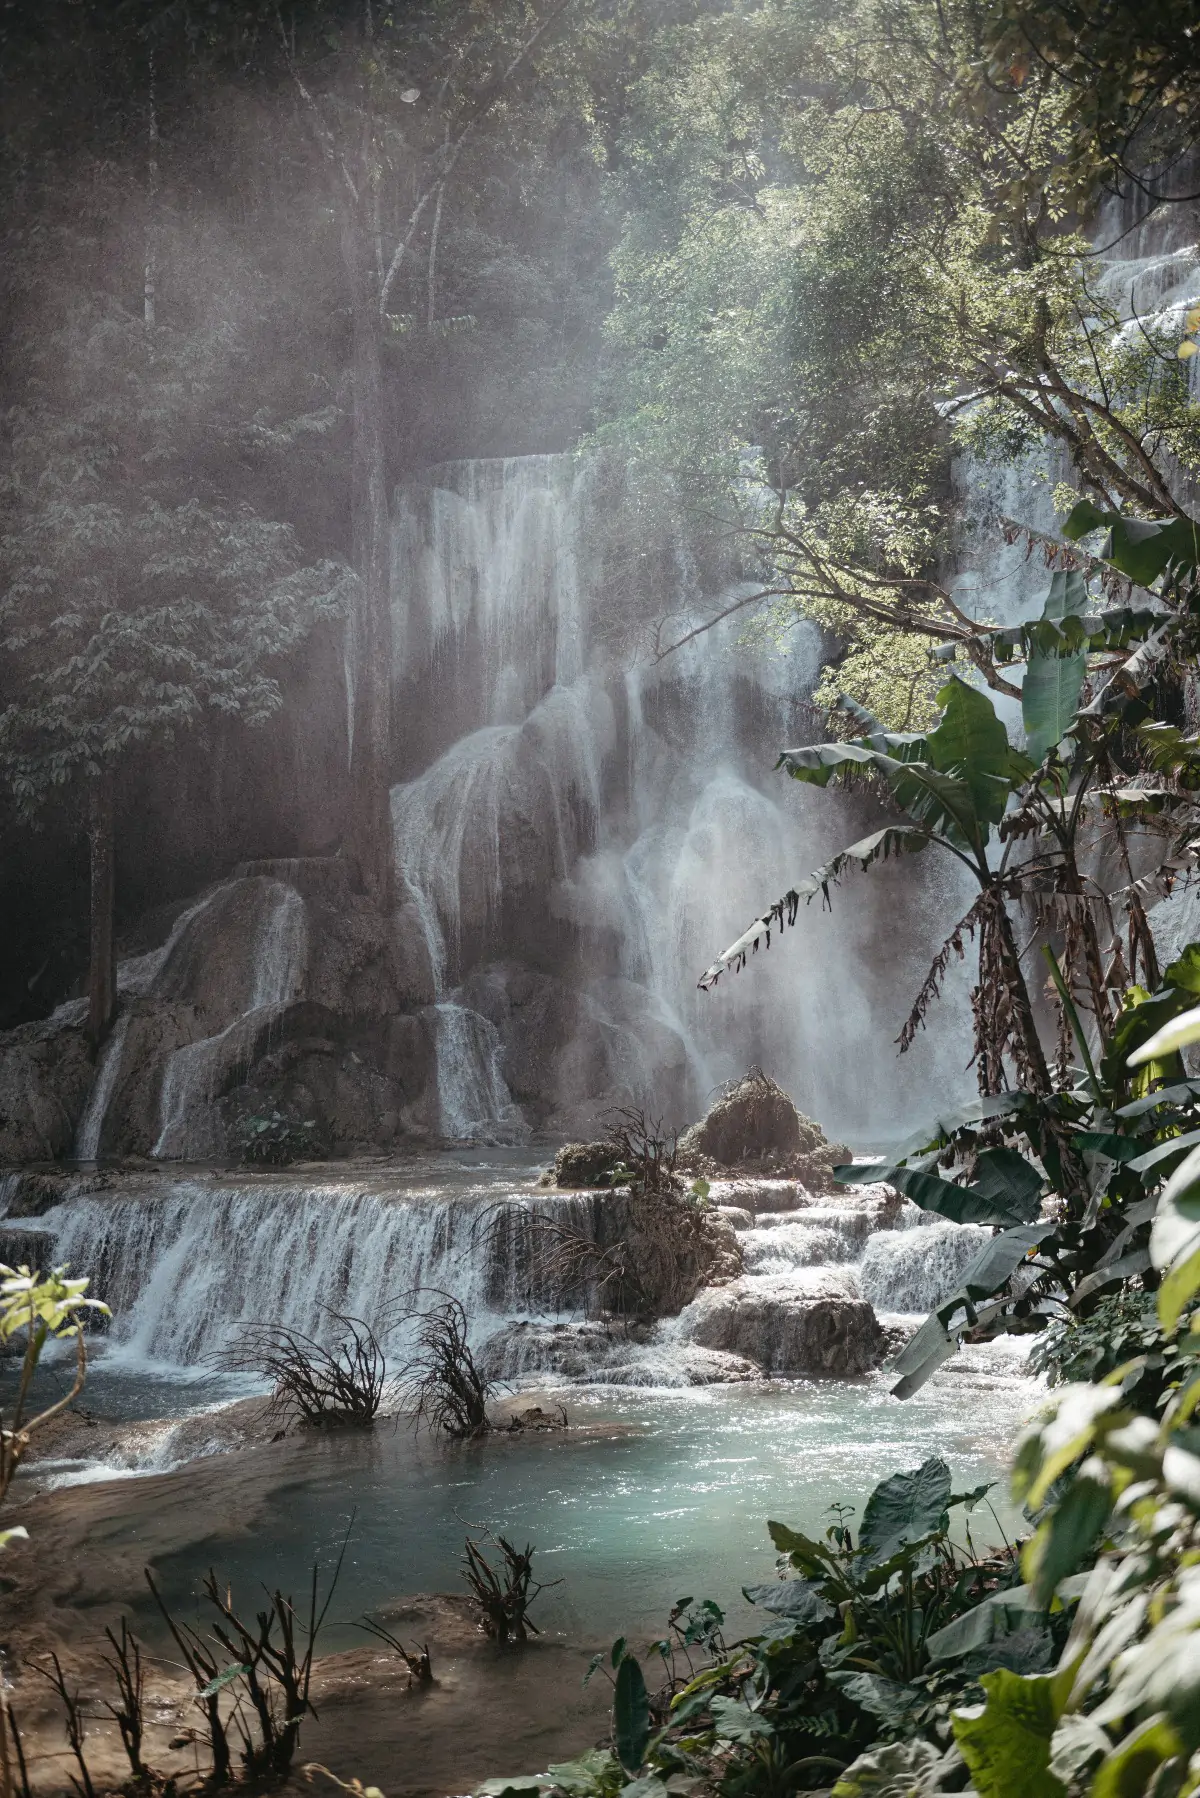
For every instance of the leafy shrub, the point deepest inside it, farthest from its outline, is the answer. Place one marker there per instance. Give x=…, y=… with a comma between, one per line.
x=276, y=1138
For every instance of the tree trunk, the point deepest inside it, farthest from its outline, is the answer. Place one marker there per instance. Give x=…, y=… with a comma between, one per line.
x=102, y=973
x=1029, y=1055
x=370, y=624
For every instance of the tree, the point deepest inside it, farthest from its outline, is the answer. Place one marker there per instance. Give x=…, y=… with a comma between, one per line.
x=136, y=600
x=392, y=112
x=1130, y=72
x=837, y=282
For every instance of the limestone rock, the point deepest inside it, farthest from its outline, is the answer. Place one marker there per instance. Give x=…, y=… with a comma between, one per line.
x=585, y=1164
x=45, y=1072
x=754, y=1125
x=818, y=1328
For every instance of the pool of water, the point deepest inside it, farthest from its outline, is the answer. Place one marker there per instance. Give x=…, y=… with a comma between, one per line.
x=649, y=1497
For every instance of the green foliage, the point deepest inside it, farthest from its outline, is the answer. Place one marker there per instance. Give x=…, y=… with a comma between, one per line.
x=276, y=1138
x=1130, y=74
x=38, y=1308
x=631, y=1715
x=133, y=608
x=761, y=211
x=842, y=1653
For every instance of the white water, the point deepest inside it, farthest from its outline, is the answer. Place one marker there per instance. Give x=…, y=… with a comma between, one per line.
x=473, y=1099
x=182, y=1260
x=87, y=1137
x=189, y=1124
x=573, y=807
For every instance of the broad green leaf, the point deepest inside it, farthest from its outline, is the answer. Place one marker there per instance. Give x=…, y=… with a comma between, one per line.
x=971, y=743
x=1184, y=971
x=795, y=1598
x=631, y=1715
x=650, y=1785
x=817, y=763
x=1010, y=1182
x=18, y=1533
x=1163, y=1151
x=594, y=1771
x=1175, y=1242
x=1068, y=595
x=736, y=1722
x=897, y=1770
x=946, y=803
x=1006, y=1741
x=1140, y=548
x=1069, y=1533
x=998, y=1615
x=1065, y=1431
x=1169, y=1039
x=903, y=1508
x=1127, y=1770
x=890, y=1700
x=984, y=1202
x=1050, y=699
x=931, y=796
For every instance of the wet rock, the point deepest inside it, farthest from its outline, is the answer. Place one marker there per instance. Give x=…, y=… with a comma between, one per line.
x=614, y=1355
x=787, y=1327
x=581, y=1164
x=45, y=1073
x=754, y=1124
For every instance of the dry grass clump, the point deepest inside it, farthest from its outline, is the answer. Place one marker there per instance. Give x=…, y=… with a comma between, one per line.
x=312, y=1384
x=443, y=1385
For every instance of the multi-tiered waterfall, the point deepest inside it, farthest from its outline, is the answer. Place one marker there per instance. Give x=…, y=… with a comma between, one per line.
x=581, y=830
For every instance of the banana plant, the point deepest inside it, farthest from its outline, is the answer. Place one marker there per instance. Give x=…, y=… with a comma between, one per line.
x=954, y=783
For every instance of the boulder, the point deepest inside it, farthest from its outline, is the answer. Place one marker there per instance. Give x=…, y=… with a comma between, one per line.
x=755, y=1126
x=787, y=1327
x=581, y=1164
x=45, y=1072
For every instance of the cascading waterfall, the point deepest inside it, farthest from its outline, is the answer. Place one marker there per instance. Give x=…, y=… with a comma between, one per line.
x=472, y=1097
x=87, y=1137
x=181, y=1265
x=182, y=1260
x=189, y=1127
x=620, y=823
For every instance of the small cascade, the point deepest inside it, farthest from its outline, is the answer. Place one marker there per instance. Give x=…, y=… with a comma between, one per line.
x=916, y=1269
x=190, y=1126
x=183, y=1262
x=91, y=1124
x=473, y=1100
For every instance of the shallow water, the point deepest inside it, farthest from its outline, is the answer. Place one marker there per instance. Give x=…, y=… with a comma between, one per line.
x=672, y=1501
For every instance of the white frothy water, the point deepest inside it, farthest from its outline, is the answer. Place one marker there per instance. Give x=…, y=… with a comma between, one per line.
x=182, y=1261
x=628, y=813
x=183, y=1265
x=473, y=1100
x=189, y=1124
x=91, y=1124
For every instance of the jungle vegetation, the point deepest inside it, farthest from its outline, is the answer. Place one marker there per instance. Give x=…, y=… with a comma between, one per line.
x=788, y=263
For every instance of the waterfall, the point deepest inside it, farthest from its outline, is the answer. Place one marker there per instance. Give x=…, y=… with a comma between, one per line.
x=914, y=1270
x=610, y=822
x=190, y=1126
x=91, y=1124
x=184, y=1260
x=473, y=1099
x=183, y=1263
